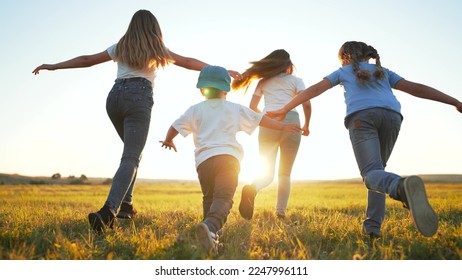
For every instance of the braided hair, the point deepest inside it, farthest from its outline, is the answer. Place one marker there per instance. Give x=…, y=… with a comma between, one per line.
x=355, y=52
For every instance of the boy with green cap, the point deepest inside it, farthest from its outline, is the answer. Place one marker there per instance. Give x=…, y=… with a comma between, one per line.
x=214, y=124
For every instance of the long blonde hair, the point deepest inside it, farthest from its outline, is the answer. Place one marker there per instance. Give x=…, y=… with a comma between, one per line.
x=142, y=46
x=273, y=64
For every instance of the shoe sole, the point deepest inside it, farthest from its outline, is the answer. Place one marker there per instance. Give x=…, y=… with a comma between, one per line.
x=422, y=213
x=246, y=205
x=206, y=241
x=125, y=215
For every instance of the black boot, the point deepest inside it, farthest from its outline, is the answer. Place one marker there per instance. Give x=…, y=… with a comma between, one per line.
x=126, y=211
x=101, y=220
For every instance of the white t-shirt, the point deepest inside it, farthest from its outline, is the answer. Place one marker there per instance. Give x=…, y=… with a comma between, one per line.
x=214, y=124
x=279, y=90
x=125, y=72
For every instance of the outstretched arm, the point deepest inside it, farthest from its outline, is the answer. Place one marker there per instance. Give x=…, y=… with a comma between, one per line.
x=195, y=64
x=304, y=96
x=77, y=62
x=168, y=142
x=426, y=92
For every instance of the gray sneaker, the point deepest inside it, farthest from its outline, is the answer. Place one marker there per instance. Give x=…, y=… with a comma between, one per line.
x=412, y=193
x=207, y=239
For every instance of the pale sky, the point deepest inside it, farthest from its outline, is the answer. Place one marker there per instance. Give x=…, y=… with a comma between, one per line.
x=57, y=122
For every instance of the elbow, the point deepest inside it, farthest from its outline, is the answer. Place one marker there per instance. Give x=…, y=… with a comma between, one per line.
x=86, y=61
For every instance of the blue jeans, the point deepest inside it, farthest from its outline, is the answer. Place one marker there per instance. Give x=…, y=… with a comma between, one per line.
x=129, y=105
x=287, y=143
x=373, y=134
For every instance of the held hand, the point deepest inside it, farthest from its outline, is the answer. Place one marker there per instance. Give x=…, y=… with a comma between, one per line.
x=236, y=75
x=168, y=144
x=281, y=114
x=305, y=130
x=291, y=127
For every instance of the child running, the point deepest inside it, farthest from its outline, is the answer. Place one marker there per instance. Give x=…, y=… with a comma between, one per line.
x=278, y=86
x=214, y=124
x=373, y=119
x=139, y=53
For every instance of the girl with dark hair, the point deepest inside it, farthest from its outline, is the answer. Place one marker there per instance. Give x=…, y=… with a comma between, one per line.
x=277, y=85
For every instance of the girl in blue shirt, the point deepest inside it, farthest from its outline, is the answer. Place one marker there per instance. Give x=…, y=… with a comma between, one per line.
x=373, y=119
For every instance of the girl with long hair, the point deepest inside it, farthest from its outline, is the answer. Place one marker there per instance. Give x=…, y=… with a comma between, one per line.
x=139, y=53
x=277, y=85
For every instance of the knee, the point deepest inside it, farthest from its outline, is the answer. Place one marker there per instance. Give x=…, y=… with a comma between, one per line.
x=131, y=160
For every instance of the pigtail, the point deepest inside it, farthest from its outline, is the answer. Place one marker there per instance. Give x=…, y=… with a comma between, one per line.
x=363, y=75
x=371, y=52
x=378, y=73
x=355, y=52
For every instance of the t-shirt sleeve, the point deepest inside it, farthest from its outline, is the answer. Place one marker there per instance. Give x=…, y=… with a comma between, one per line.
x=249, y=119
x=299, y=85
x=111, y=51
x=393, y=78
x=184, y=124
x=334, y=77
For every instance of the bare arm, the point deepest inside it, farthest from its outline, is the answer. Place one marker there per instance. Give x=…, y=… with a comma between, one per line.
x=187, y=62
x=254, y=103
x=426, y=92
x=77, y=62
x=195, y=64
x=307, y=111
x=304, y=96
x=168, y=142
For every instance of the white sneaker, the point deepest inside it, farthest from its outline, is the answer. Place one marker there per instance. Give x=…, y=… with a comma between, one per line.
x=207, y=239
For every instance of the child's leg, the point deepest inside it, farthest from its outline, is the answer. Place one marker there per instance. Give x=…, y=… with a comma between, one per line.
x=364, y=135
x=268, y=140
x=225, y=169
x=207, y=182
x=129, y=109
x=268, y=145
x=375, y=213
x=289, y=144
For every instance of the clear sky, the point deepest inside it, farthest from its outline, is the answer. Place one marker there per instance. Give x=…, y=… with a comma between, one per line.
x=56, y=121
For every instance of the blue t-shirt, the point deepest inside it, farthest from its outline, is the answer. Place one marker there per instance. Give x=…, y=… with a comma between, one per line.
x=370, y=94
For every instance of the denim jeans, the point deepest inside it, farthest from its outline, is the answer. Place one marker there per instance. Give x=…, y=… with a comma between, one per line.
x=373, y=134
x=129, y=105
x=218, y=177
x=287, y=143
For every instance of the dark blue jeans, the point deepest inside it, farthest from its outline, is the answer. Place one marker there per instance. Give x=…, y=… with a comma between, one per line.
x=129, y=107
x=373, y=134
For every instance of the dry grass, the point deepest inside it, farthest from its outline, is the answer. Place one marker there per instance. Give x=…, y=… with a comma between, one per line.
x=324, y=222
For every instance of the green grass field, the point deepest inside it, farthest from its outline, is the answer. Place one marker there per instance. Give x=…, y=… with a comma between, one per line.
x=323, y=223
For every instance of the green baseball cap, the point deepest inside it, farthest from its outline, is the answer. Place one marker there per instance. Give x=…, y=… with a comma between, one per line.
x=215, y=77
